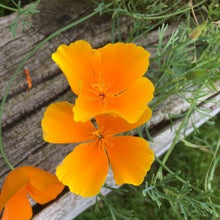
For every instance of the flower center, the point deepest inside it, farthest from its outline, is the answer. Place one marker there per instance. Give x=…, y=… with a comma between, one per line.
x=99, y=94
x=97, y=134
x=102, y=96
x=103, y=141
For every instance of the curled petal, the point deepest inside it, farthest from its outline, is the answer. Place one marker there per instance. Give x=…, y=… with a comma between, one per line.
x=84, y=170
x=39, y=184
x=130, y=159
x=15, y=180
x=112, y=124
x=122, y=64
x=18, y=207
x=79, y=62
x=43, y=186
x=59, y=127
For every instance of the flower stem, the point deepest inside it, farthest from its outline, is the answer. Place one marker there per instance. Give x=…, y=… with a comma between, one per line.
x=175, y=140
x=8, y=8
x=177, y=177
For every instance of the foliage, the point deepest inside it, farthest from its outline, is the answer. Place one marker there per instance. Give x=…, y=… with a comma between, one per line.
x=22, y=14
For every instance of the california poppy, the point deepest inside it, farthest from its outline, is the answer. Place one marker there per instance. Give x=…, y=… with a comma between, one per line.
x=40, y=185
x=106, y=80
x=85, y=169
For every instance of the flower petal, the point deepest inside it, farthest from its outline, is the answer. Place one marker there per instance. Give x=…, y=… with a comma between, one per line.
x=131, y=104
x=130, y=159
x=79, y=62
x=122, y=64
x=43, y=186
x=18, y=207
x=15, y=180
x=59, y=127
x=84, y=170
x=112, y=124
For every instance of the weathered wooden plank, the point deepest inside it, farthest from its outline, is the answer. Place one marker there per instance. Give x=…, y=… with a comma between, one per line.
x=175, y=105
x=26, y=102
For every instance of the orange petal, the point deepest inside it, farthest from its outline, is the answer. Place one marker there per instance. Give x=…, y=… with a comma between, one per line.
x=131, y=104
x=43, y=186
x=122, y=64
x=112, y=124
x=84, y=170
x=15, y=180
x=130, y=159
x=18, y=207
x=79, y=62
x=59, y=127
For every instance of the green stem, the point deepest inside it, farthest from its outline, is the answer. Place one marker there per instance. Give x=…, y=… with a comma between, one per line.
x=175, y=140
x=185, y=43
x=8, y=8
x=145, y=17
x=158, y=100
x=108, y=205
x=16, y=4
x=27, y=57
x=4, y=156
x=207, y=177
x=177, y=177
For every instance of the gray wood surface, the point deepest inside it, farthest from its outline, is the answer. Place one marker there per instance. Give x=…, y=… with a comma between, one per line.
x=22, y=134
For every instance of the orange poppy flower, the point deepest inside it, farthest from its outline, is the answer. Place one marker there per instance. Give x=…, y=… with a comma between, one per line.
x=23, y=181
x=85, y=169
x=106, y=80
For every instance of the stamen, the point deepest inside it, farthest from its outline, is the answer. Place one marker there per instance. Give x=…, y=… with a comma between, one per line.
x=102, y=96
x=97, y=134
x=99, y=93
